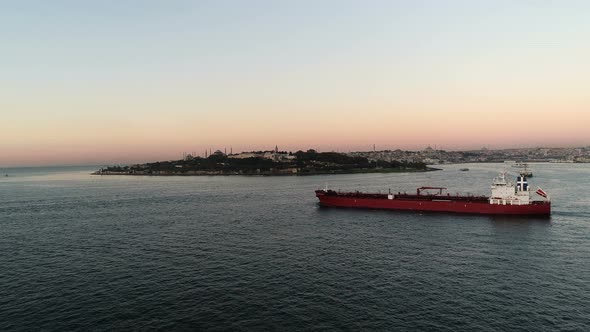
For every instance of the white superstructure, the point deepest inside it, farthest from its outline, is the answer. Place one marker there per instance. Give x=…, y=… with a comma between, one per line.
x=506, y=193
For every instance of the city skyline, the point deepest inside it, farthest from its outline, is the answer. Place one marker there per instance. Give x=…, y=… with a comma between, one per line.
x=566, y=154
x=100, y=83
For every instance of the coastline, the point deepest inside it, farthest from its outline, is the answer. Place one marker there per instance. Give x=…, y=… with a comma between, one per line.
x=220, y=173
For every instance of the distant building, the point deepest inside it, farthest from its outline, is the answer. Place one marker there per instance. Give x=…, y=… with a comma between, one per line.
x=431, y=161
x=244, y=155
x=274, y=154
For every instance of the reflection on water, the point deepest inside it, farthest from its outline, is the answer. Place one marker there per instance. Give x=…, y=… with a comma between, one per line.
x=499, y=220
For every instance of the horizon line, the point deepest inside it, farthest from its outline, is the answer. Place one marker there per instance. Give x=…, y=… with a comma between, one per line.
x=92, y=164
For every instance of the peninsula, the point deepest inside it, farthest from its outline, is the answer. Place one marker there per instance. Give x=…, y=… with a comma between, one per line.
x=273, y=162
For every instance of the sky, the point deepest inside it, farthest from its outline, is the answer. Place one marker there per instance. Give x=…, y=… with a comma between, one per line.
x=106, y=82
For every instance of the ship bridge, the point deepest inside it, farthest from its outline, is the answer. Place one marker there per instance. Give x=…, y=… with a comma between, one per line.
x=506, y=193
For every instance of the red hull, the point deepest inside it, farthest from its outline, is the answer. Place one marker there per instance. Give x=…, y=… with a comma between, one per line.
x=432, y=204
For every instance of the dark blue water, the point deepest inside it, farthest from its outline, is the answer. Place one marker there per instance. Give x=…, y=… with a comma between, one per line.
x=81, y=252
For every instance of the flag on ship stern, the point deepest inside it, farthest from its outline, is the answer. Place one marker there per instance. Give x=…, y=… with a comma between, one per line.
x=540, y=192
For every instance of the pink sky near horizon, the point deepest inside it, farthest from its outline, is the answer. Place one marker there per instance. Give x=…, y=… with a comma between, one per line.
x=124, y=140
x=56, y=128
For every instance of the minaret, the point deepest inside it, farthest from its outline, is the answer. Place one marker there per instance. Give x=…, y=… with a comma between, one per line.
x=276, y=148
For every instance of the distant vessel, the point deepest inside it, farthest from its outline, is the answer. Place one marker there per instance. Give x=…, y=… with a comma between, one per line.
x=506, y=199
x=524, y=169
x=464, y=169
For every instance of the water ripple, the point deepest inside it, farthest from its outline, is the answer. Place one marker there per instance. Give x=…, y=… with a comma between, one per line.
x=241, y=253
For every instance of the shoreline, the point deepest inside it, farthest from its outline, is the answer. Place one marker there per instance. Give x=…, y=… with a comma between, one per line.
x=216, y=173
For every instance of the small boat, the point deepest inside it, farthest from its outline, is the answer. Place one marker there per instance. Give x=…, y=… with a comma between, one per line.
x=526, y=172
x=464, y=169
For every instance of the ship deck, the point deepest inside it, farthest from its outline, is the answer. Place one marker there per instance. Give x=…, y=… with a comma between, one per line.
x=404, y=196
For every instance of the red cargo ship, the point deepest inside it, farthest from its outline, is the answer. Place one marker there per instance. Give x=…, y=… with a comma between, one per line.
x=506, y=199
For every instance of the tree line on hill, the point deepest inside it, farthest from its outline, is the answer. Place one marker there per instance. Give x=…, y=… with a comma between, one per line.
x=309, y=161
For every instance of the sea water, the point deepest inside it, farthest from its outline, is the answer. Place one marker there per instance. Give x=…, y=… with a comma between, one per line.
x=84, y=252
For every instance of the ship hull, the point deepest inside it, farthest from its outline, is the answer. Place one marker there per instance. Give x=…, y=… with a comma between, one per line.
x=432, y=205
